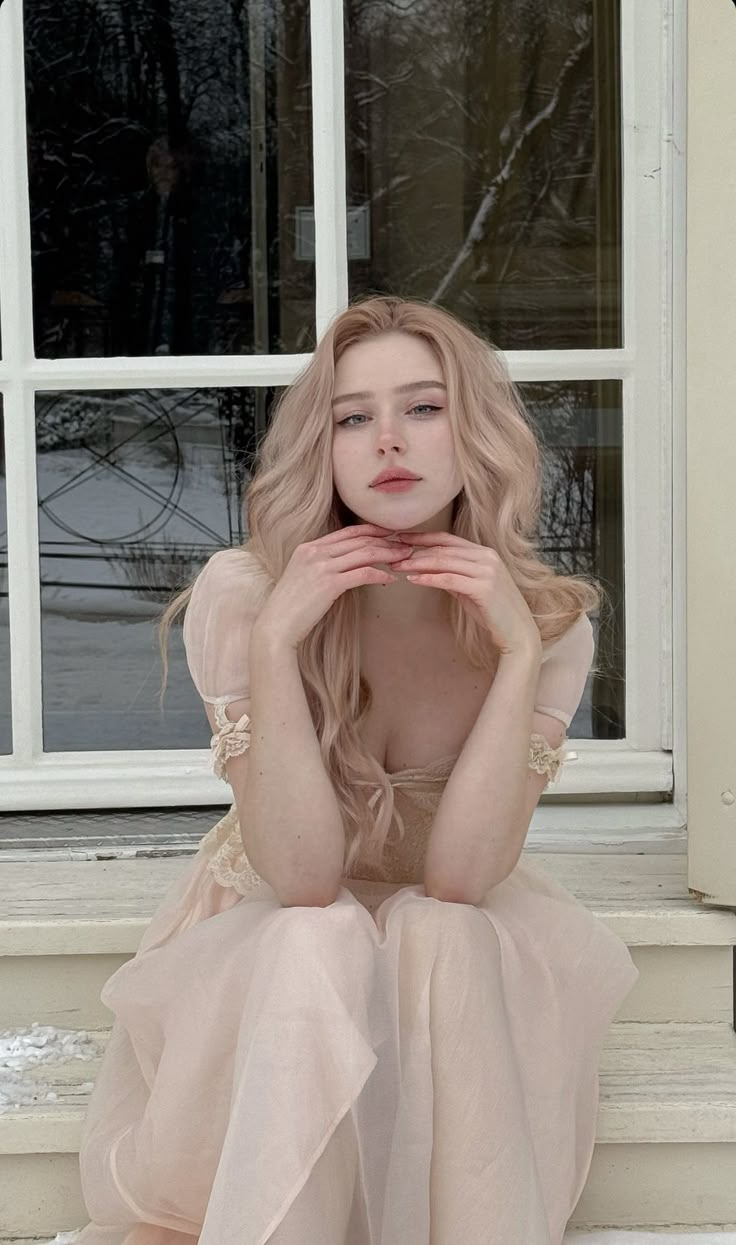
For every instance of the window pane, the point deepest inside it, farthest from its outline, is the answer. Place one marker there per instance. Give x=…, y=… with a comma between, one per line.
x=136, y=490
x=6, y=729
x=581, y=525
x=483, y=157
x=169, y=156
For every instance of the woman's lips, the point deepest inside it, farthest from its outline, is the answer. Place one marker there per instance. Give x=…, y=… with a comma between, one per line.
x=395, y=486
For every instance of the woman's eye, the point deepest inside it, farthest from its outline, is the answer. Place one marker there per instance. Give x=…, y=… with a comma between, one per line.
x=358, y=415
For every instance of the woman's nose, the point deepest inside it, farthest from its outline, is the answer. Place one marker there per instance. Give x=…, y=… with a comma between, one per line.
x=390, y=436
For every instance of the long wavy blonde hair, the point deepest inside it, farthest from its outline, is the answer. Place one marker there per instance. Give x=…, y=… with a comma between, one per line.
x=291, y=499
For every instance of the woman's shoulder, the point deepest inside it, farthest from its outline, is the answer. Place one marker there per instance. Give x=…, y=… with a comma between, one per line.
x=223, y=604
x=577, y=638
x=230, y=560
x=229, y=574
x=226, y=596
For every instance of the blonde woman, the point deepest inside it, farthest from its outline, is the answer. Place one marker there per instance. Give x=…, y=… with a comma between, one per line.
x=361, y=1016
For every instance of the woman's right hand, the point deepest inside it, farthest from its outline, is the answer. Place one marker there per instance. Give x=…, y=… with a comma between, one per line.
x=319, y=571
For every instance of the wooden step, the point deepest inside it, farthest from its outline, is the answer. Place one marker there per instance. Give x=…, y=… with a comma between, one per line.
x=573, y=1236
x=676, y=983
x=665, y=1144
x=666, y=1150
x=67, y=926
x=671, y=1082
x=83, y=907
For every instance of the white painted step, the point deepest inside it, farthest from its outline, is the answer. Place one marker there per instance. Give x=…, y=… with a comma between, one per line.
x=658, y=1083
x=82, y=907
x=573, y=1236
x=102, y=906
x=66, y=926
x=665, y=1150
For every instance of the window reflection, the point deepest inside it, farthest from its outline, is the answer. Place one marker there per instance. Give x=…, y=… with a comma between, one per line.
x=136, y=490
x=169, y=148
x=483, y=155
x=6, y=729
x=579, y=425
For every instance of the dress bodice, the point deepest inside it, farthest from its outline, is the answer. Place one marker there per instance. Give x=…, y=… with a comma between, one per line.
x=417, y=792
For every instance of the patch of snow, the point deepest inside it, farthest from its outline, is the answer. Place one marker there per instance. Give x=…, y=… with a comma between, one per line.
x=26, y=1048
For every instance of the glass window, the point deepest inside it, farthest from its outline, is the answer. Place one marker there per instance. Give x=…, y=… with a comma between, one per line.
x=6, y=729
x=169, y=156
x=579, y=425
x=136, y=490
x=484, y=170
x=171, y=213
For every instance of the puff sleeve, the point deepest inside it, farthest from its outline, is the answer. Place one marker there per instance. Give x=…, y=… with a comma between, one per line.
x=224, y=602
x=566, y=662
x=564, y=670
x=217, y=625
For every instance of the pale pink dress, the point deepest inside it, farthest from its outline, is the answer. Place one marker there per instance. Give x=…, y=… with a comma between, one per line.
x=389, y=1070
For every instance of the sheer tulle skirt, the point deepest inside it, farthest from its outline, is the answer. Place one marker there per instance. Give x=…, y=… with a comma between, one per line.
x=388, y=1070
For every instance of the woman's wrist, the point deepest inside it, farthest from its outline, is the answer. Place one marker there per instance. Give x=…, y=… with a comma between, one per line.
x=526, y=656
x=267, y=637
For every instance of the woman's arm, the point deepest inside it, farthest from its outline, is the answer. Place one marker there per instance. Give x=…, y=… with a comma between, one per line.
x=484, y=812
x=289, y=815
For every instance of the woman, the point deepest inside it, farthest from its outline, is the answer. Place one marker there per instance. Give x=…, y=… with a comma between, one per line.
x=360, y=1016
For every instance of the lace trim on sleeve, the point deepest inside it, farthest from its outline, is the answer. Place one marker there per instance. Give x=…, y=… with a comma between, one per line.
x=230, y=740
x=227, y=861
x=547, y=760
x=223, y=844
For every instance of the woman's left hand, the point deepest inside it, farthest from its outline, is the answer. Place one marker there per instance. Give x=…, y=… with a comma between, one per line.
x=479, y=579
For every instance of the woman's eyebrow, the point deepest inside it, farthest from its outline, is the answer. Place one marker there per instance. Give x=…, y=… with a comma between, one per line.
x=412, y=384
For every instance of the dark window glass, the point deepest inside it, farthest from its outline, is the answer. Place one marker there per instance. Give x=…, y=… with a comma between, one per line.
x=169, y=165
x=484, y=167
x=581, y=524
x=6, y=728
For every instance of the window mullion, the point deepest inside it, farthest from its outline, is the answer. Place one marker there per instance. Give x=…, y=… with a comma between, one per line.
x=646, y=48
x=18, y=399
x=199, y=371
x=328, y=144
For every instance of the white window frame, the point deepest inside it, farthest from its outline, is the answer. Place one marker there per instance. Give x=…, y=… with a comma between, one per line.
x=653, y=45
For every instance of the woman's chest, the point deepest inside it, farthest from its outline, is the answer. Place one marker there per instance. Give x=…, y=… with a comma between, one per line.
x=426, y=697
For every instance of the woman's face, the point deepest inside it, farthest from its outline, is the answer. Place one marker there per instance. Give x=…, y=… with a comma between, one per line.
x=390, y=424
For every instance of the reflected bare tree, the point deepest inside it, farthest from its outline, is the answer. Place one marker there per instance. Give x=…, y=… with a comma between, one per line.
x=482, y=142
x=485, y=142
